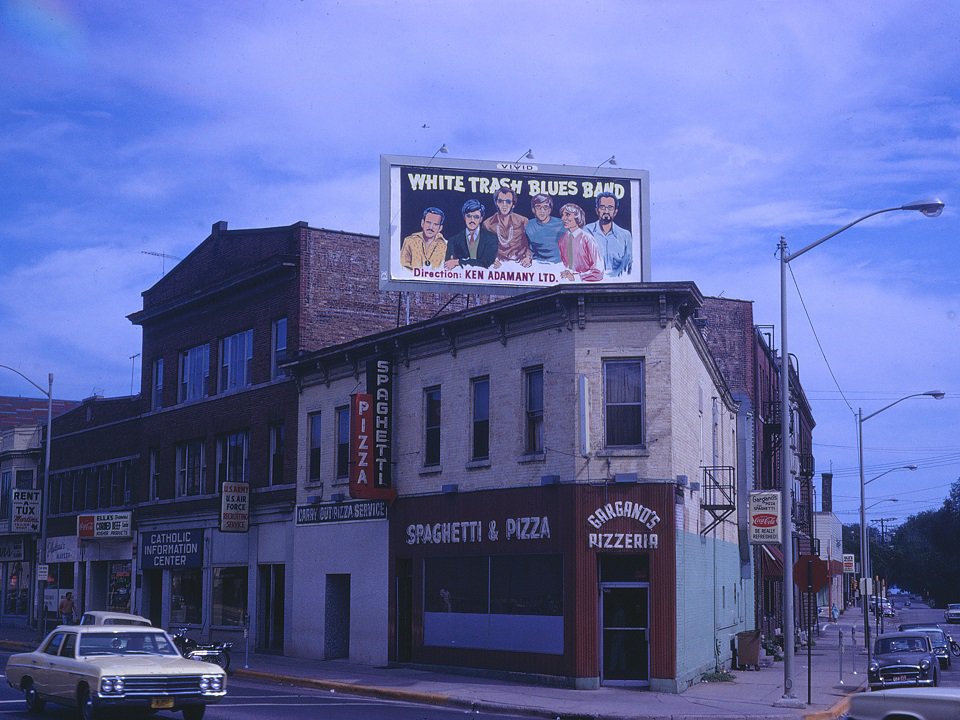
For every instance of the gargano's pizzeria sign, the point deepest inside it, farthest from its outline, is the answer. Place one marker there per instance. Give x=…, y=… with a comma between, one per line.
x=641, y=515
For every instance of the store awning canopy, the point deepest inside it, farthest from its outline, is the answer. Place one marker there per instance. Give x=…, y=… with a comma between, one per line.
x=771, y=561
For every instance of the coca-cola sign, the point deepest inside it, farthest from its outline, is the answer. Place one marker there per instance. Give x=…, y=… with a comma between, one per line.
x=765, y=527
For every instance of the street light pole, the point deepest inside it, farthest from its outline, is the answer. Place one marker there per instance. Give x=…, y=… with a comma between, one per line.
x=864, y=538
x=930, y=208
x=42, y=544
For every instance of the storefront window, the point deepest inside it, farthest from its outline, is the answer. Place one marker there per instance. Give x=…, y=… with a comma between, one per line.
x=229, y=595
x=526, y=585
x=15, y=596
x=118, y=599
x=456, y=585
x=187, y=597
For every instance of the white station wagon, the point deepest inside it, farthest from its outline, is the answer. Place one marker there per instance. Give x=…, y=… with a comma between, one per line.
x=94, y=667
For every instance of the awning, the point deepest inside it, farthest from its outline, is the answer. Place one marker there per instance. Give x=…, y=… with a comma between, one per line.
x=771, y=561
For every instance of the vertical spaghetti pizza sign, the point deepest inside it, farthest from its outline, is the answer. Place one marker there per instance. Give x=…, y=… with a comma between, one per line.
x=447, y=224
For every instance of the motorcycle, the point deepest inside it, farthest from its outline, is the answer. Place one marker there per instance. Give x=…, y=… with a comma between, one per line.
x=954, y=646
x=217, y=653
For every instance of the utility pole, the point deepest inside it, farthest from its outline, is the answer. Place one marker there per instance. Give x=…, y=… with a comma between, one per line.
x=883, y=528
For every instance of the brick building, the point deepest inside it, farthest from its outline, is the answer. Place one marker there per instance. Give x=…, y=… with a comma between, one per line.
x=565, y=470
x=145, y=473
x=747, y=357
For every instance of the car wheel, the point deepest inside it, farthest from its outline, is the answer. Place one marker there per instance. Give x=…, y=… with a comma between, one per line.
x=222, y=660
x=86, y=710
x=33, y=700
x=194, y=712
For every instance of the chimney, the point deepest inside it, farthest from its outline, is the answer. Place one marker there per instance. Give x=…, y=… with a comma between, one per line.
x=826, y=497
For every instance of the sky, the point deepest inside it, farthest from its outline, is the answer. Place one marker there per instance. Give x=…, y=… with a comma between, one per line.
x=128, y=128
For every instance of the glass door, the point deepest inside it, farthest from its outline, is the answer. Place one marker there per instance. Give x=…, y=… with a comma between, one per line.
x=624, y=638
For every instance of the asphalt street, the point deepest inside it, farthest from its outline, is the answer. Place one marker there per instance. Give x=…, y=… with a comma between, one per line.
x=248, y=699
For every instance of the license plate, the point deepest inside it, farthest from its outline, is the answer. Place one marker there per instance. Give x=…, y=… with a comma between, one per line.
x=161, y=703
x=899, y=678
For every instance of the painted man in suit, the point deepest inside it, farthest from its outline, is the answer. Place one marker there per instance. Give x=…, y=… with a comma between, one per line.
x=474, y=245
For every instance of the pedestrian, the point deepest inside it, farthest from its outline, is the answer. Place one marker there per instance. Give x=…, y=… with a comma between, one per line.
x=835, y=613
x=66, y=609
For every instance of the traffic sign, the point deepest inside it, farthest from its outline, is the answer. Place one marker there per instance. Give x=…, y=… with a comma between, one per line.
x=810, y=573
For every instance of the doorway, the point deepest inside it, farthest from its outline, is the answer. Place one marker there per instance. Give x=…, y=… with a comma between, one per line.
x=624, y=621
x=270, y=608
x=336, y=626
x=404, y=609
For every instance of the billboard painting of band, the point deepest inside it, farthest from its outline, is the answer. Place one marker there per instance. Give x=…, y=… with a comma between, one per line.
x=510, y=225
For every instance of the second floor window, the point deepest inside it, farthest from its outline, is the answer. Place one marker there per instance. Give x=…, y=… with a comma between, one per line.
x=343, y=443
x=236, y=358
x=194, y=372
x=480, y=449
x=315, y=438
x=279, y=349
x=623, y=402
x=154, y=488
x=6, y=479
x=431, y=444
x=191, y=468
x=156, y=397
x=277, y=434
x=533, y=393
x=233, y=459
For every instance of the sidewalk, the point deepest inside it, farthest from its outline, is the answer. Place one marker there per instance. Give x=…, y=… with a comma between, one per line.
x=757, y=695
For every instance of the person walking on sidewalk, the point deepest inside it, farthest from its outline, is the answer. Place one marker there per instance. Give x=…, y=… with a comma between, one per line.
x=66, y=609
x=835, y=613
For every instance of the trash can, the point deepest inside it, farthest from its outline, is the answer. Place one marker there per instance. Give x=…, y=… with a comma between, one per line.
x=748, y=649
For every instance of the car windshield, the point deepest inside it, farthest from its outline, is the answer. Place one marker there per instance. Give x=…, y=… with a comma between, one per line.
x=125, y=643
x=953, y=606
x=901, y=644
x=936, y=636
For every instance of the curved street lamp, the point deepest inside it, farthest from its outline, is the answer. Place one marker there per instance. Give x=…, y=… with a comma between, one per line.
x=42, y=545
x=865, y=572
x=930, y=208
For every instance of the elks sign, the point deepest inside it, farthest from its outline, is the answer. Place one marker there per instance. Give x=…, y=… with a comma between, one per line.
x=494, y=227
x=371, y=430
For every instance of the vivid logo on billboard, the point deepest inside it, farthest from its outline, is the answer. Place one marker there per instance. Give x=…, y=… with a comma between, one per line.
x=509, y=225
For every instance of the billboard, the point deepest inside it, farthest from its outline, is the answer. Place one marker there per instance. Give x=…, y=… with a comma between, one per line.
x=491, y=227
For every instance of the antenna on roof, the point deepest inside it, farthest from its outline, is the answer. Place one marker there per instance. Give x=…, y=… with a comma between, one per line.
x=163, y=257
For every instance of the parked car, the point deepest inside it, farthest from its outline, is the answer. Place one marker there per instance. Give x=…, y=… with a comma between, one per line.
x=939, y=639
x=903, y=659
x=952, y=613
x=105, y=617
x=122, y=667
x=941, y=703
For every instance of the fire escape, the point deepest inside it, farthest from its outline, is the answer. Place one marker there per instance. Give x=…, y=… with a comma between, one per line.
x=719, y=494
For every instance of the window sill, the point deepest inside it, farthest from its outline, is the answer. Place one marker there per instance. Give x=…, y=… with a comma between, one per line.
x=537, y=457
x=431, y=470
x=638, y=451
x=478, y=464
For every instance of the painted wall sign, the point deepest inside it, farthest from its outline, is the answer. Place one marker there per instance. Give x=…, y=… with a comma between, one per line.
x=497, y=226
x=99, y=526
x=646, y=517
x=171, y=549
x=11, y=548
x=63, y=548
x=235, y=507
x=765, y=525
x=371, y=431
x=478, y=531
x=25, y=510
x=341, y=512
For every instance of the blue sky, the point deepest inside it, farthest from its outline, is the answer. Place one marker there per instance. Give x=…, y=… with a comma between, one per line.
x=128, y=128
